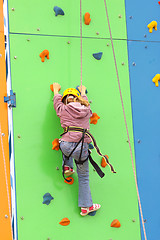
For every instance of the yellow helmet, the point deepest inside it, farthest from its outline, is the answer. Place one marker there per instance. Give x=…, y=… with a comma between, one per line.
x=71, y=91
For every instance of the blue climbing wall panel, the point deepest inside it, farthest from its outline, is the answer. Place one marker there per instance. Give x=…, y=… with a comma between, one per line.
x=145, y=106
x=138, y=15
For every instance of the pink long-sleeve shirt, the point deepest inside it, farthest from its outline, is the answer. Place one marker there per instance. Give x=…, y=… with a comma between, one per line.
x=73, y=114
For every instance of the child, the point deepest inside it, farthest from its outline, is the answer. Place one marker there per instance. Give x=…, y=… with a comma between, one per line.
x=74, y=110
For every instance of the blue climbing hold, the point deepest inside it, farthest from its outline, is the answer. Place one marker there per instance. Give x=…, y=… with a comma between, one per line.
x=47, y=198
x=92, y=213
x=58, y=11
x=97, y=56
x=79, y=91
x=90, y=146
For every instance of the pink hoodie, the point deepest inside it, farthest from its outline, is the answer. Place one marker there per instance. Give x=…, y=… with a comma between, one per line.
x=73, y=114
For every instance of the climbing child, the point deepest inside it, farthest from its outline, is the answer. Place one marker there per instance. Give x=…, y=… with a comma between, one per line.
x=73, y=109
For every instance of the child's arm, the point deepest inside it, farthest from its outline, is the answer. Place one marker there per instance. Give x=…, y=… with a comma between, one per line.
x=82, y=90
x=58, y=104
x=56, y=88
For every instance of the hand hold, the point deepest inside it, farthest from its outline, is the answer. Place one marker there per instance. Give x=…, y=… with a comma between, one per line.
x=104, y=163
x=97, y=56
x=115, y=223
x=156, y=79
x=94, y=118
x=58, y=11
x=69, y=178
x=47, y=198
x=90, y=146
x=44, y=54
x=55, y=144
x=79, y=91
x=152, y=25
x=64, y=222
x=51, y=87
x=87, y=18
x=92, y=213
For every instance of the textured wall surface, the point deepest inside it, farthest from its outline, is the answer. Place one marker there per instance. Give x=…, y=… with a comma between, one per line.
x=146, y=112
x=36, y=124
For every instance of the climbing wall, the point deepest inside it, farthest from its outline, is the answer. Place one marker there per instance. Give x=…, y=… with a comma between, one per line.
x=143, y=49
x=34, y=27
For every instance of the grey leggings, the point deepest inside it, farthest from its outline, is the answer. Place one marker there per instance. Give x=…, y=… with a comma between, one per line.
x=84, y=199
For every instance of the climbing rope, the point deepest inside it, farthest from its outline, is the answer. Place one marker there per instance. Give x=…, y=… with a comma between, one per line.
x=5, y=169
x=139, y=201
x=81, y=38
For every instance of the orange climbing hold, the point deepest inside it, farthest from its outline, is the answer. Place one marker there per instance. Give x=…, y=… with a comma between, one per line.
x=55, y=144
x=87, y=18
x=103, y=163
x=44, y=54
x=64, y=222
x=115, y=223
x=94, y=118
x=71, y=182
x=51, y=87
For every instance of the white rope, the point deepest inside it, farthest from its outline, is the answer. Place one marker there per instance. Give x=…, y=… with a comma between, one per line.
x=81, y=38
x=138, y=195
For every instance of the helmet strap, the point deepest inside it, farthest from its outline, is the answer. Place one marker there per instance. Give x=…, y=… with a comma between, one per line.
x=69, y=97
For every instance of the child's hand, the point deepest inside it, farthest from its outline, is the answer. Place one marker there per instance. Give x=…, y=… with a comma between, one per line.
x=82, y=90
x=56, y=87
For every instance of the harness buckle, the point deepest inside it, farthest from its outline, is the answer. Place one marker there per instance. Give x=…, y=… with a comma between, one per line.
x=65, y=129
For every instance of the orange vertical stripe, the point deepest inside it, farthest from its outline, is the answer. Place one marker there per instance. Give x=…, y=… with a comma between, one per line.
x=1, y=17
x=5, y=224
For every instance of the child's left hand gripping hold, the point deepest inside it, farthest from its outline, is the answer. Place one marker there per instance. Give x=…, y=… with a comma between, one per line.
x=56, y=88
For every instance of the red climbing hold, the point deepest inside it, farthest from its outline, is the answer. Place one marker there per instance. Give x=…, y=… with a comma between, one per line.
x=115, y=223
x=64, y=222
x=103, y=163
x=87, y=18
x=55, y=144
x=159, y=2
x=94, y=118
x=44, y=54
x=69, y=178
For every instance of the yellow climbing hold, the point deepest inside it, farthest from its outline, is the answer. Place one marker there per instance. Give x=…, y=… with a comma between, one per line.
x=152, y=25
x=156, y=79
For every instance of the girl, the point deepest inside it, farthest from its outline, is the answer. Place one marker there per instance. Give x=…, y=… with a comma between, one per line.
x=74, y=110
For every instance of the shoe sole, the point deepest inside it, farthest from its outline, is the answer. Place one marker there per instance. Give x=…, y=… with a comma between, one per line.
x=68, y=173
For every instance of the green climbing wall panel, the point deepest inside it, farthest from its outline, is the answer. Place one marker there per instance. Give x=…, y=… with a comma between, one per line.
x=36, y=124
x=31, y=15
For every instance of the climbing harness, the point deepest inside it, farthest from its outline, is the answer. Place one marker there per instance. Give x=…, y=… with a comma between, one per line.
x=79, y=161
x=139, y=201
x=120, y=92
